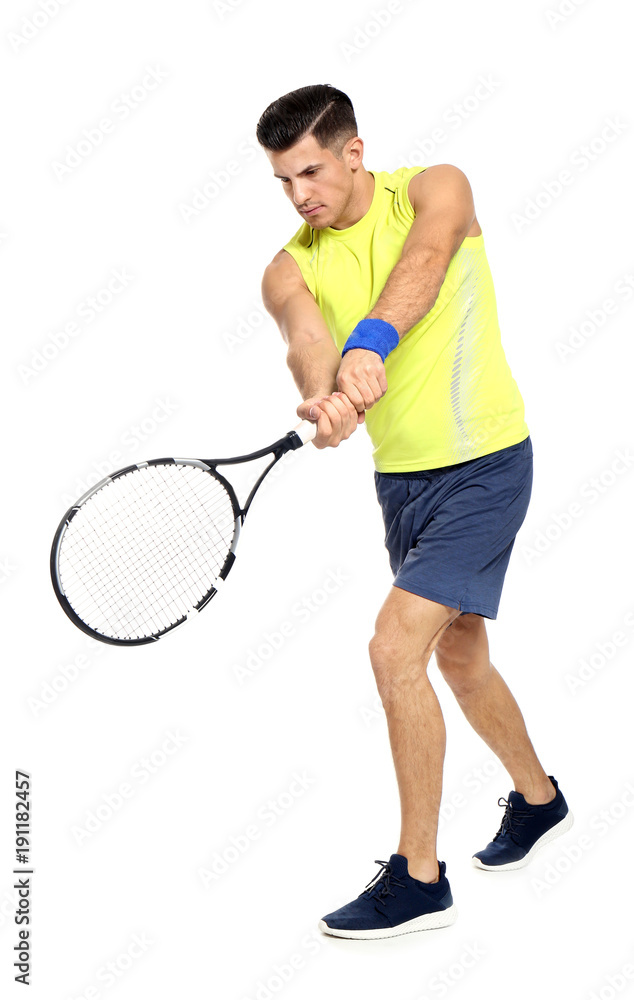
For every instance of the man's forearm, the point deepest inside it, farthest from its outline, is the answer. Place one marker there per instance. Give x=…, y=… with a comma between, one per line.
x=314, y=367
x=410, y=292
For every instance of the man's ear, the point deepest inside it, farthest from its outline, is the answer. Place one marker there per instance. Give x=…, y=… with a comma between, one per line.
x=353, y=152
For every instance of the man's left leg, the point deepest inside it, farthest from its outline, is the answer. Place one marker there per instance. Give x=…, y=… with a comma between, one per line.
x=536, y=811
x=462, y=655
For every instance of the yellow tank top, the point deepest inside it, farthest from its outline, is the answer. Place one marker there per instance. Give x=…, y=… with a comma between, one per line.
x=451, y=396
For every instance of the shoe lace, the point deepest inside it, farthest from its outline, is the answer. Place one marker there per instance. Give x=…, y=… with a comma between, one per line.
x=383, y=882
x=512, y=819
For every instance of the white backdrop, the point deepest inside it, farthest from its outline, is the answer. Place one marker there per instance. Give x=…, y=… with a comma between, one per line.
x=198, y=805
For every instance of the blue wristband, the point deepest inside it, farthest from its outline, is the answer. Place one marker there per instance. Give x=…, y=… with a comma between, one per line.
x=373, y=335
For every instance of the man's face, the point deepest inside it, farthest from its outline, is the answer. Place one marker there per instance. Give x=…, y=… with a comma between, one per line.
x=318, y=183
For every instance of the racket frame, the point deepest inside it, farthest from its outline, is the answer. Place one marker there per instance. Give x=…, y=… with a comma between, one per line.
x=290, y=442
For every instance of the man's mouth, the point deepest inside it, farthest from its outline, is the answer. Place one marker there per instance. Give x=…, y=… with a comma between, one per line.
x=311, y=211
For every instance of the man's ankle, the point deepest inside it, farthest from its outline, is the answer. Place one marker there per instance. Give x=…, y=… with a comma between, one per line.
x=538, y=793
x=422, y=869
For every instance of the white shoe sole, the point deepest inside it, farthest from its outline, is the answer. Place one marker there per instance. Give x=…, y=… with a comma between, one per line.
x=426, y=922
x=556, y=831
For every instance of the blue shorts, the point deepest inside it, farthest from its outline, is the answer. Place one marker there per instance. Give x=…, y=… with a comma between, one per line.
x=450, y=531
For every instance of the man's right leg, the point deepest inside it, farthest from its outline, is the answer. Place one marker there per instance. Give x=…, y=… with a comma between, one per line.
x=412, y=891
x=408, y=628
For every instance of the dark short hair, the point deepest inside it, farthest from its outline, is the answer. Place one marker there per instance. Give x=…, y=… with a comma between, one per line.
x=320, y=110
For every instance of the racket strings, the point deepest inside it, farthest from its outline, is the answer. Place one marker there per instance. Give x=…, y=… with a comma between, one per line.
x=164, y=519
x=144, y=550
x=137, y=561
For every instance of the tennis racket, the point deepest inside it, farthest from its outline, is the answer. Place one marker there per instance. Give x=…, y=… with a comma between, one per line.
x=147, y=547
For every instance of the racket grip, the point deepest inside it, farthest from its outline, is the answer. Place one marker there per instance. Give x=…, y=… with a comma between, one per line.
x=306, y=431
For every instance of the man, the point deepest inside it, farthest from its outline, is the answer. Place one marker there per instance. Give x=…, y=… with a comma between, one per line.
x=385, y=299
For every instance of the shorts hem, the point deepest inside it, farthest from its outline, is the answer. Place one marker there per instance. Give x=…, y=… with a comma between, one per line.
x=467, y=608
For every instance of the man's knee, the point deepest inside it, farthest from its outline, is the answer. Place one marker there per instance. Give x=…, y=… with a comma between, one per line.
x=400, y=649
x=386, y=655
x=394, y=671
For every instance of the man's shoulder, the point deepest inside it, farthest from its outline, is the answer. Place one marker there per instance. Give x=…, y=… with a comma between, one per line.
x=440, y=178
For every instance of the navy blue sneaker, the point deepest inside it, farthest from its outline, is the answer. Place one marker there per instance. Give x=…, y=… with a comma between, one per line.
x=393, y=903
x=524, y=829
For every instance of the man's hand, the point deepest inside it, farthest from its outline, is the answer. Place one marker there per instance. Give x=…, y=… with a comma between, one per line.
x=361, y=376
x=335, y=415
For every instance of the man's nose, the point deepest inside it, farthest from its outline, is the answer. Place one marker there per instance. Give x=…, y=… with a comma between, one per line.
x=299, y=193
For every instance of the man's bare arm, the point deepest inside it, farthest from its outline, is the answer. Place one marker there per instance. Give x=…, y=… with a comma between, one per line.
x=443, y=202
x=312, y=355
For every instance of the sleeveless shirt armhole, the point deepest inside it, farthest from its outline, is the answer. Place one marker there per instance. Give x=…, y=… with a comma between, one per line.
x=407, y=208
x=300, y=258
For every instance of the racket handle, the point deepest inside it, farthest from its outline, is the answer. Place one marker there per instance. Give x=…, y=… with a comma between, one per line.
x=306, y=431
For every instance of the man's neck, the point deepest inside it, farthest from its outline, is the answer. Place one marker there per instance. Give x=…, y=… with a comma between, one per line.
x=360, y=201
